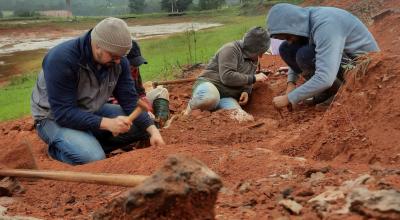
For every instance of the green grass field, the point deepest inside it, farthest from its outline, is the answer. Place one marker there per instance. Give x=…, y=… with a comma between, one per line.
x=14, y=98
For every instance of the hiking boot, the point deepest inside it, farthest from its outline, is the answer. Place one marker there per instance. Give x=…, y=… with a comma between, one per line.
x=161, y=111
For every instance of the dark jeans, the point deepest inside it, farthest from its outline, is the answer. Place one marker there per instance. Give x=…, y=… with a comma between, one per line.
x=80, y=147
x=301, y=59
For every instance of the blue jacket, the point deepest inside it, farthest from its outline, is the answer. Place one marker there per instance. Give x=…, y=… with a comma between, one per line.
x=333, y=31
x=70, y=89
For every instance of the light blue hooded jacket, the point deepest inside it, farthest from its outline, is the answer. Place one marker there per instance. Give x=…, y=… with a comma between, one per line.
x=333, y=31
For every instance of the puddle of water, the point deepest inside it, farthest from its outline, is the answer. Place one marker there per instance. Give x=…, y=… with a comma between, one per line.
x=141, y=32
x=19, y=62
x=9, y=45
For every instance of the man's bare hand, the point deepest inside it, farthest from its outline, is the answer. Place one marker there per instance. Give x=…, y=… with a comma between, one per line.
x=281, y=101
x=155, y=136
x=261, y=77
x=116, y=126
x=244, y=98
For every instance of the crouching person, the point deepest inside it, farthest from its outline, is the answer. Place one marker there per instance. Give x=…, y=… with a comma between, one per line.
x=69, y=101
x=318, y=41
x=227, y=81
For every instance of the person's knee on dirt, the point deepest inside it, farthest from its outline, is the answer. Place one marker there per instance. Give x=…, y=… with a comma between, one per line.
x=69, y=100
x=205, y=96
x=327, y=30
x=231, y=73
x=229, y=103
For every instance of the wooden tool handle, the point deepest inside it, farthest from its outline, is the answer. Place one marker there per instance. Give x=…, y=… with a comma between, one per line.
x=81, y=177
x=168, y=82
x=135, y=113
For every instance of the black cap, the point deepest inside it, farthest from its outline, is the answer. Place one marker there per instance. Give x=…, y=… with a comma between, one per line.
x=135, y=56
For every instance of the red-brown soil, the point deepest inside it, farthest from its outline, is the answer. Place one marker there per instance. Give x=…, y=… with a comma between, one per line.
x=260, y=162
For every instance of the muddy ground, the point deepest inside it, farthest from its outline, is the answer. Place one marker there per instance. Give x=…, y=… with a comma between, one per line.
x=275, y=167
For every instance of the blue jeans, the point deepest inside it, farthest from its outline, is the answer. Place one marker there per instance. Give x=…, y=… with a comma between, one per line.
x=79, y=147
x=301, y=59
x=206, y=97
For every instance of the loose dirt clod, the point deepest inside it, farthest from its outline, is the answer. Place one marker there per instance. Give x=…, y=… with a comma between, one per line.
x=18, y=157
x=183, y=189
x=8, y=186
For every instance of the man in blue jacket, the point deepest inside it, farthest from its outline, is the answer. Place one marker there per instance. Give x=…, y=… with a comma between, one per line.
x=317, y=41
x=69, y=101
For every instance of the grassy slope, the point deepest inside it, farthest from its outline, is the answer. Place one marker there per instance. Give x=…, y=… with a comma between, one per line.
x=14, y=98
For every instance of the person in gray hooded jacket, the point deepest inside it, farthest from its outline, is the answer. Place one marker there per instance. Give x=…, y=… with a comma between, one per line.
x=227, y=81
x=317, y=41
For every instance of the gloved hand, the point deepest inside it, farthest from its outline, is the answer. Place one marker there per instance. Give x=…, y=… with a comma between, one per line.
x=244, y=98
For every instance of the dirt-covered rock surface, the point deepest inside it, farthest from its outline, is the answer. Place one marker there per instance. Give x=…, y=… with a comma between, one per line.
x=339, y=162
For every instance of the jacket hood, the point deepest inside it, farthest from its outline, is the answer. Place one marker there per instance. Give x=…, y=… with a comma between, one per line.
x=256, y=41
x=288, y=19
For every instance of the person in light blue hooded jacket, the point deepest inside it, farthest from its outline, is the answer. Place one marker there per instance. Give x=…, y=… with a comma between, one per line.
x=318, y=40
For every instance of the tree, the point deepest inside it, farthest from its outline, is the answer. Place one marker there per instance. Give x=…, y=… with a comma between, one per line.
x=68, y=3
x=210, y=4
x=136, y=6
x=175, y=5
x=182, y=5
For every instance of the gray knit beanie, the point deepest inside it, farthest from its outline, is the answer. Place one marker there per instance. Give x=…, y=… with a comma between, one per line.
x=256, y=40
x=112, y=35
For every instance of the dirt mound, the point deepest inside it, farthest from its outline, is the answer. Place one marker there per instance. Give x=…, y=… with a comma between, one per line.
x=261, y=98
x=351, y=129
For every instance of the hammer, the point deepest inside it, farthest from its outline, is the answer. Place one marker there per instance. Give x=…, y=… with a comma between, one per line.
x=141, y=107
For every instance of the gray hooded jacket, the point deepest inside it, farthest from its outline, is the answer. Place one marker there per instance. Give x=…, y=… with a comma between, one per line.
x=231, y=69
x=333, y=31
